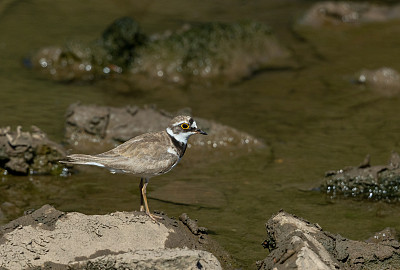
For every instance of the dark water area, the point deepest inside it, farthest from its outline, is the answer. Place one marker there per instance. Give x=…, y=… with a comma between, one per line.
x=313, y=117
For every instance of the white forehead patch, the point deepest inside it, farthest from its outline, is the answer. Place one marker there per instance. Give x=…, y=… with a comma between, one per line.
x=179, y=123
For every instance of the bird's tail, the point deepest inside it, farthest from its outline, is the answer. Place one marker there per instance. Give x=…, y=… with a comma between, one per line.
x=81, y=159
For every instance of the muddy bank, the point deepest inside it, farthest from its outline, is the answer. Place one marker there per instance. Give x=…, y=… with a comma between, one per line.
x=51, y=239
x=24, y=152
x=199, y=53
x=373, y=183
x=89, y=127
x=295, y=243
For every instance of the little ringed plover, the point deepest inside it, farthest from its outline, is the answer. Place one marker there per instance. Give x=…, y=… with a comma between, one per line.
x=146, y=155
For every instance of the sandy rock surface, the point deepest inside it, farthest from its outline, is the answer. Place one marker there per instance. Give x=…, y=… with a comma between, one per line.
x=51, y=239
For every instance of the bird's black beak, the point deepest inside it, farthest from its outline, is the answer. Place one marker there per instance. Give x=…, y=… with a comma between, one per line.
x=199, y=131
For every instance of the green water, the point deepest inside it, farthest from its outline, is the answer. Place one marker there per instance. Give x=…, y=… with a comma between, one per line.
x=314, y=119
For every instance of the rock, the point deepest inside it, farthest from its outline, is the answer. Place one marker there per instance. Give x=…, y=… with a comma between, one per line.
x=387, y=236
x=209, y=51
x=345, y=12
x=51, y=239
x=381, y=182
x=192, y=225
x=295, y=243
x=29, y=152
x=108, y=55
x=385, y=81
x=89, y=125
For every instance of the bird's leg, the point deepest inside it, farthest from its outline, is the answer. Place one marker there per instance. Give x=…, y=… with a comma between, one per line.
x=141, y=195
x=153, y=217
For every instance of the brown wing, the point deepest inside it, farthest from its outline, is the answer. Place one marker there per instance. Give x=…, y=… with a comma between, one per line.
x=145, y=155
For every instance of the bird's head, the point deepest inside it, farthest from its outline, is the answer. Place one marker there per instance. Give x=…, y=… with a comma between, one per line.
x=182, y=127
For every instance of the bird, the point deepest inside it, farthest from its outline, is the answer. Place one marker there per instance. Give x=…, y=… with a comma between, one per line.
x=147, y=155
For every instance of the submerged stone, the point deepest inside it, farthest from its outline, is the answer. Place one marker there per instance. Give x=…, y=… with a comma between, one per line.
x=225, y=51
x=346, y=12
x=381, y=182
x=385, y=81
x=29, y=152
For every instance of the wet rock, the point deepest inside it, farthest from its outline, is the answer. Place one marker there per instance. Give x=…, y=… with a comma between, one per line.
x=385, y=81
x=211, y=51
x=298, y=244
x=108, y=55
x=89, y=125
x=346, y=12
x=380, y=182
x=221, y=51
x=192, y=225
x=51, y=239
x=29, y=152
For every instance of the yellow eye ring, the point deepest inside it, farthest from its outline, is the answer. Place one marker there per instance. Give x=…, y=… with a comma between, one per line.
x=184, y=126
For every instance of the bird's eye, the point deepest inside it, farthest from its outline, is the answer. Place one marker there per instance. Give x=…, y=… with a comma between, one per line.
x=184, y=126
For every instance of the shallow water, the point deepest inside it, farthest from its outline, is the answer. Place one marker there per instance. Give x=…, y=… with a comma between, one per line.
x=313, y=118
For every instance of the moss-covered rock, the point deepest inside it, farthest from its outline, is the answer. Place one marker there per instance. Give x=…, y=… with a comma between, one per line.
x=225, y=51
x=211, y=51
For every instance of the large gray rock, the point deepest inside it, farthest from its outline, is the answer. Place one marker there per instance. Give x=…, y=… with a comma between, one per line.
x=296, y=243
x=51, y=239
x=90, y=127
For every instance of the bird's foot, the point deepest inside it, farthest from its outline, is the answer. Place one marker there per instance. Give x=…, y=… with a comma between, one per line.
x=142, y=209
x=155, y=218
